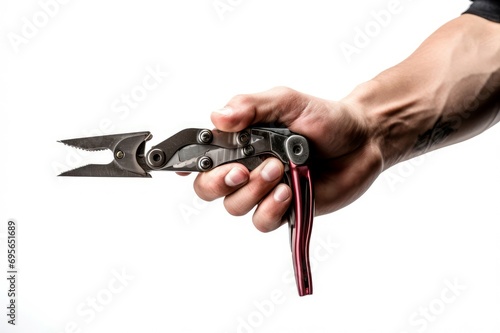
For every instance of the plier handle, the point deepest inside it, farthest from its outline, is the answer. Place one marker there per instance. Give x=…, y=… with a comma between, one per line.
x=200, y=150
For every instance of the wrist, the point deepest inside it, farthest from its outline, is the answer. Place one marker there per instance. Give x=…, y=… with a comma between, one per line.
x=393, y=119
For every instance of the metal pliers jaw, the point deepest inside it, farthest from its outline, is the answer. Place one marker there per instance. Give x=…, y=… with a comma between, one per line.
x=128, y=155
x=199, y=150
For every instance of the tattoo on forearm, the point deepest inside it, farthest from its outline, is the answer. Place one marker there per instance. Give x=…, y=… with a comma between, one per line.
x=437, y=134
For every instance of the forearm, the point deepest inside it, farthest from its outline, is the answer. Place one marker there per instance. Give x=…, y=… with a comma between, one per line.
x=447, y=91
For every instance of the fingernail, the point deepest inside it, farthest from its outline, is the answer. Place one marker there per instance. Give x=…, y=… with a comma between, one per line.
x=225, y=111
x=271, y=171
x=235, y=177
x=281, y=193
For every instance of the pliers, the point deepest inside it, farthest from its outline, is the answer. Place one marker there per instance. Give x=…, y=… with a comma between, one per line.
x=200, y=150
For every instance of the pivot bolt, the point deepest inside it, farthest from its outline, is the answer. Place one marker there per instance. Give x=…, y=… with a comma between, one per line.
x=205, y=163
x=205, y=136
x=156, y=157
x=243, y=138
x=248, y=150
x=297, y=149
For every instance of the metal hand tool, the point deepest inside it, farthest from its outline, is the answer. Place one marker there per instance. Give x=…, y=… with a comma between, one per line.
x=199, y=150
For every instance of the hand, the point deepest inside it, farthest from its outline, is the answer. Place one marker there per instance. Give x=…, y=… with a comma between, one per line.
x=344, y=162
x=445, y=92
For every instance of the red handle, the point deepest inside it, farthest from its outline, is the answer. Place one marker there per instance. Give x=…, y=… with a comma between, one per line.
x=300, y=222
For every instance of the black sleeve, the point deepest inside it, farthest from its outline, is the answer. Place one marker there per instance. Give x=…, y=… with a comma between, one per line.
x=488, y=9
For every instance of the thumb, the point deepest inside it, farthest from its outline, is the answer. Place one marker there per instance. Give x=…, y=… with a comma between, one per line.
x=282, y=105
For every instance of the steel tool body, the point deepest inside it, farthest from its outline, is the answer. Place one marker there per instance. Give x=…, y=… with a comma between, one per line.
x=199, y=150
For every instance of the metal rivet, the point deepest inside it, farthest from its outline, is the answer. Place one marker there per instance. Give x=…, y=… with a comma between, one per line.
x=204, y=163
x=205, y=136
x=120, y=154
x=156, y=157
x=248, y=150
x=243, y=138
x=297, y=150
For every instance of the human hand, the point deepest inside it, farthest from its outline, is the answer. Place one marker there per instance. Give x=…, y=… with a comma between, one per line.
x=344, y=159
x=430, y=100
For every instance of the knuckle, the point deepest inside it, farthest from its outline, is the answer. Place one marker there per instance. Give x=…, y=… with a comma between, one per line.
x=255, y=192
x=262, y=227
x=265, y=221
x=208, y=189
x=233, y=208
x=203, y=194
x=284, y=91
x=243, y=101
x=269, y=216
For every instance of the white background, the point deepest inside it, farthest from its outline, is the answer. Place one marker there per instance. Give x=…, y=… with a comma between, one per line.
x=190, y=267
